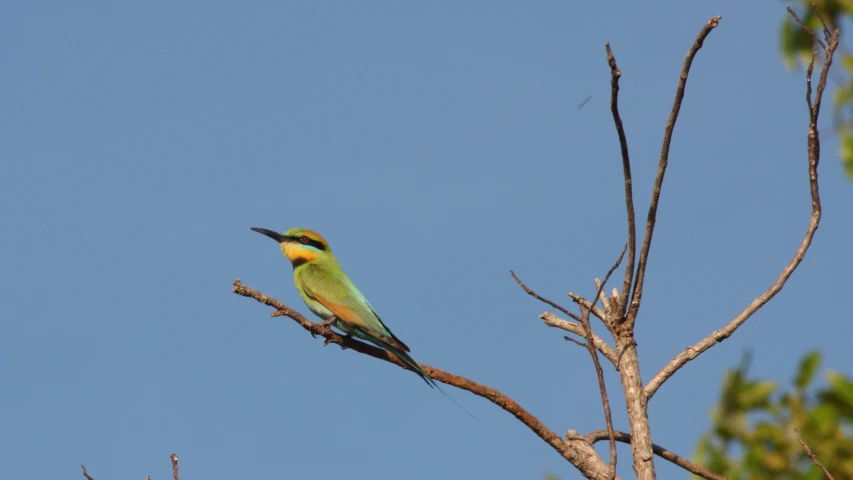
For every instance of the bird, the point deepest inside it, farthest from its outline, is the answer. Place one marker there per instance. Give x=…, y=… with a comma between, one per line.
x=329, y=293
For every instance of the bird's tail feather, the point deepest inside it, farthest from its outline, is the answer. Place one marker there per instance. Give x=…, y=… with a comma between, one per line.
x=413, y=366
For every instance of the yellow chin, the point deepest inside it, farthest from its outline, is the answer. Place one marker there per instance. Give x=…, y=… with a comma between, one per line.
x=295, y=251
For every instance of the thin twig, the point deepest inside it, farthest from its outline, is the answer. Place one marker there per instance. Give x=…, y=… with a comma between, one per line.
x=806, y=28
x=604, y=282
x=602, y=388
x=602, y=297
x=85, y=473
x=543, y=299
x=590, y=340
x=599, y=313
x=812, y=456
x=682, y=462
x=637, y=293
x=615, y=74
x=718, y=336
x=826, y=29
x=174, y=458
x=553, y=320
x=579, y=453
x=629, y=363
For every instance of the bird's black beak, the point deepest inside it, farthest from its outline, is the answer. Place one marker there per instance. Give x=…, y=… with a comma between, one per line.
x=273, y=235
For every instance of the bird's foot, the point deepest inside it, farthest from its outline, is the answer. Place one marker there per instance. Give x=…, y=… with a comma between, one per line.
x=326, y=324
x=329, y=321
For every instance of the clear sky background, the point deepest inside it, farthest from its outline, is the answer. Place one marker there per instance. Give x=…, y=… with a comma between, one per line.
x=436, y=145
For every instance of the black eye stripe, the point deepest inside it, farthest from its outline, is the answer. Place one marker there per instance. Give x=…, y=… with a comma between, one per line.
x=314, y=243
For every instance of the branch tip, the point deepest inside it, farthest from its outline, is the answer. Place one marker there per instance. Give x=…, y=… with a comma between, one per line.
x=813, y=154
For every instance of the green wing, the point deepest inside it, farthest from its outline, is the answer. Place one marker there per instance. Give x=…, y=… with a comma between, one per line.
x=338, y=294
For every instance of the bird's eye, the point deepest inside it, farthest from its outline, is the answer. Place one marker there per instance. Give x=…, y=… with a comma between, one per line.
x=304, y=240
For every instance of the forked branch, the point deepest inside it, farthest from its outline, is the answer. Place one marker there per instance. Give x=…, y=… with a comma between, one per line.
x=602, y=346
x=623, y=329
x=640, y=277
x=663, y=453
x=590, y=346
x=578, y=452
x=718, y=336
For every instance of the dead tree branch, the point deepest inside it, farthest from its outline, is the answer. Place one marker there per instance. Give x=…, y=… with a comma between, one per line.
x=682, y=462
x=615, y=74
x=600, y=344
x=629, y=364
x=85, y=473
x=582, y=302
x=637, y=294
x=174, y=458
x=578, y=452
x=602, y=388
x=590, y=341
x=806, y=27
x=718, y=336
x=543, y=299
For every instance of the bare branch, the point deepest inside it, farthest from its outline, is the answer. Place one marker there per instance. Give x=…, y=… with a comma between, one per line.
x=637, y=294
x=628, y=363
x=576, y=342
x=543, y=299
x=827, y=34
x=590, y=345
x=601, y=314
x=601, y=284
x=85, y=473
x=718, y=336
x=554, y=321
x=615, y=74
x=602, y=297
x=812, y=456
x=682, y=462
x=578, y=452
x=174, y=458
x=602, y=388
x=590, y=341
x=806, y=28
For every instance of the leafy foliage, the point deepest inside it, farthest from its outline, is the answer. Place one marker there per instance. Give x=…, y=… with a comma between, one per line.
x=797, y=49
x=752, y=434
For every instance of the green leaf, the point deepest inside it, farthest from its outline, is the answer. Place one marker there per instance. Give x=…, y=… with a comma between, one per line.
x=845, y=147
x=823, y=415
x=808, y=366
x=751, y=435
x=757, y=395
x=843, y=386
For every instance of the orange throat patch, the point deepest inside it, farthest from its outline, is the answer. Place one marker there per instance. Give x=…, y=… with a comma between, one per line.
x=298, y=254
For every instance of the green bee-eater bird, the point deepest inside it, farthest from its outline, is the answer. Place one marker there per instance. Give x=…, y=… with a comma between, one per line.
x=332, y=296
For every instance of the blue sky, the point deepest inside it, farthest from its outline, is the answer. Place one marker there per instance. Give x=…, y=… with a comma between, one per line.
x=436, y=145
